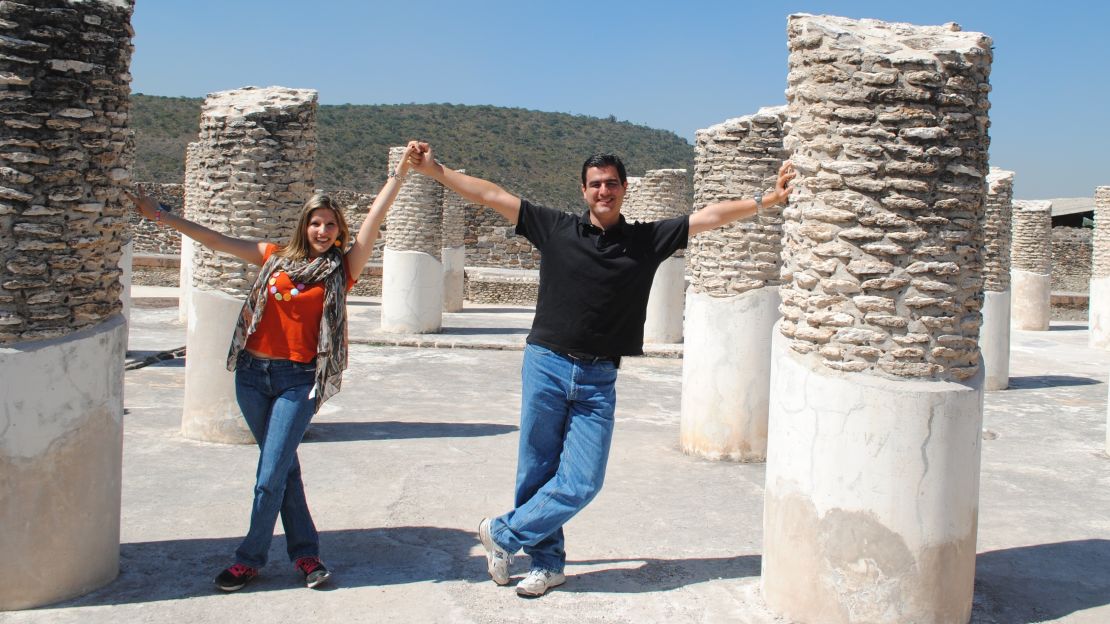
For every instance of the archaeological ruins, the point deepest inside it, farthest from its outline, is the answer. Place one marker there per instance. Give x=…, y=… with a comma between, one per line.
x=893, y=277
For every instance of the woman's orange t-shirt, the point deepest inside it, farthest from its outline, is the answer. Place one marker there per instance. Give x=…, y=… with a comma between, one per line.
x=290, y=325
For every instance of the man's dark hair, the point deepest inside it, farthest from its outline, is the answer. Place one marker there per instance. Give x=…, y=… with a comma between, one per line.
x=604, y=160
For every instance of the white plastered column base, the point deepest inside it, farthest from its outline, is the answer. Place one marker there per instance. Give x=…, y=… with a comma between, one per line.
x=454, y=281
x=412, y=292
x=726, y=368
x=665, y=303
x=1031, y=301
x=211, y=412
x=185, y=287
x=60, y=464
x=1098, y=313
x=872, y=496
x=994, y=340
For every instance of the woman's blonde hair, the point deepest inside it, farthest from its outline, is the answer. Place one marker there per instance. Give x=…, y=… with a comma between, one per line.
x=298, y=247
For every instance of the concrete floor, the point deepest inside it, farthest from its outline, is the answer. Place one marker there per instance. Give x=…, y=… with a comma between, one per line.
x=421, y=443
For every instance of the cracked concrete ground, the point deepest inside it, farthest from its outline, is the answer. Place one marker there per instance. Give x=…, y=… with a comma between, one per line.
x=421, y=443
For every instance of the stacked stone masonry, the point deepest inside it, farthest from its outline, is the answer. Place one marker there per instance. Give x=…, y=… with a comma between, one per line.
x=149, y=238
x=1071, y=259
x=65, y=159
x=415, y=221
x=735, y=160
x=1032, y=232
x=454, y=218
x=887, y=125
x=1100, y=259
x=659, y=194
x=996, y=230
x=256, y=160
x=491, y=241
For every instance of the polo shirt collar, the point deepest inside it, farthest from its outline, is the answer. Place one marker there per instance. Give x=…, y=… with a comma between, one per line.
x=584, y=224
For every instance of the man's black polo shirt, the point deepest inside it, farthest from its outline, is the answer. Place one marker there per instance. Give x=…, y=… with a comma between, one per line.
x=594, y=284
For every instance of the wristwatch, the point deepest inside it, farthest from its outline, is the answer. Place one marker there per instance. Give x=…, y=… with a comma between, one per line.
x=758, y=203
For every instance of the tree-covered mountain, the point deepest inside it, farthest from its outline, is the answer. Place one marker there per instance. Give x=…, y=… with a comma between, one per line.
x=535, y=154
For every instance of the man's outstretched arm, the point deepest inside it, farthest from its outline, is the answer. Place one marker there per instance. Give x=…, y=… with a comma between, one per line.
x=723, y=213
x=474, y=189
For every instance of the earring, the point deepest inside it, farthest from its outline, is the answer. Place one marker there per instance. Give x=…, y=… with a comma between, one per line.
x=338, y=243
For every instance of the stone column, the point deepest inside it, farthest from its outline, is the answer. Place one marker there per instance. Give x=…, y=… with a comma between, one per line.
x=412, y=275
x=733, y=300
x=454, y=250
x=874, y=440
x=192, y=198
x=257, y=149
x=661, y=194
x=65, y=160
x=1098, y=306
x=1031, y=271
x=994, y=338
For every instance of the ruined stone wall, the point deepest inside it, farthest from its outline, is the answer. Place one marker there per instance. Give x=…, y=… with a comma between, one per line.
x=1071, y=259
x=734, y=160
x=996, y=230
x=1100, y=259
x=1032, y=251
x=65, y=158
x=148, y=237
x=491, y=242
x=659, y=194
x=256, y=155
x=883, y=236
x=415, y=222
x=503, y=286
x=454, y=218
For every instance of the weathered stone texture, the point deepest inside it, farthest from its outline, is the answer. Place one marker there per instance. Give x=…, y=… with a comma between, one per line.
x=65, y=158
x=415, y=222
x=996, y=230
x=659, y=194
x=491, y=242
x=1032, y=235
x=454, y=218
x=148, y=237
x=734, y=160
x=504, y=286
x=256, y=166
x=1071, y=259
x=1100, y=259
x=887, y=125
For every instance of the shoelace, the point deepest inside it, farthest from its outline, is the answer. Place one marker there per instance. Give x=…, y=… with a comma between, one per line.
x=308, y=564
x=239, y=569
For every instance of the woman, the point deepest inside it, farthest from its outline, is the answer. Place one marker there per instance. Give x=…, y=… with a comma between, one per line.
x=288, y=352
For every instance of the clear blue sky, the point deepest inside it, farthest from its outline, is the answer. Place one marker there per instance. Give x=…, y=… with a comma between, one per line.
x=674, y=65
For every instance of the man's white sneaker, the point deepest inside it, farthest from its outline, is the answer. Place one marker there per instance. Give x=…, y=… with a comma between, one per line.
x=497, y=558
x=539, y=581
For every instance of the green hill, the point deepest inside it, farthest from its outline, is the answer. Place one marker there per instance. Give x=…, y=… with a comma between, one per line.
x=532, y=153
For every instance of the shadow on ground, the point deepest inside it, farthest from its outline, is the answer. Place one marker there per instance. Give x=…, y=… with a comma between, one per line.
x=394, y=430
x=182, y=569
x=654, y=575
x=1042, y=582
x=1049, y=381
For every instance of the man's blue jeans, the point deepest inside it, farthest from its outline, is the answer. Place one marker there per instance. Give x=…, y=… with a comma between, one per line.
x=273, y=396
x=566, y=427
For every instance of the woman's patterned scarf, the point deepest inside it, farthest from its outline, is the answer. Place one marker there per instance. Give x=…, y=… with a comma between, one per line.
x=331, y=349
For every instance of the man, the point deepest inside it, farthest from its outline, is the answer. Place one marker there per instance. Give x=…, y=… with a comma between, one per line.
x=595, y=276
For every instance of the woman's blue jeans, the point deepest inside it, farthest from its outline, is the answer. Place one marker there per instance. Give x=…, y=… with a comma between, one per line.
x=273, y=396
x=566, y=427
